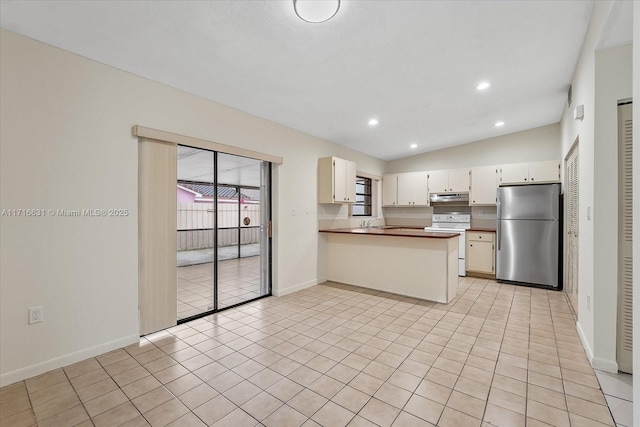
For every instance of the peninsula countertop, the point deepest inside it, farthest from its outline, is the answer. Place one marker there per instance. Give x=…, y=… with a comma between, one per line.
x=404, y=260
x=398, y=231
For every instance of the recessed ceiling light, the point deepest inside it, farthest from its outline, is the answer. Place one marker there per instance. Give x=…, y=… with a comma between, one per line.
x=316, y=11
x=499, y=124
x=483, y=85
x=414, y=145
x=373, y=122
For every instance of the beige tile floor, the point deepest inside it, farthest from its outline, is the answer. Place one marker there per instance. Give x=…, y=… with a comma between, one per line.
x=238, y=281
x=618, y=392
x=335, y=355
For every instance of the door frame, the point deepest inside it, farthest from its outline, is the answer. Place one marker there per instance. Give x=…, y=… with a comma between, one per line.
x=157, y=178
x=574, y=308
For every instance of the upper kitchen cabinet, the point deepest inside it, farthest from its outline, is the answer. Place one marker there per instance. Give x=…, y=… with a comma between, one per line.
x=484, y=181
x=412, y=189
x=544, y=171
x=390, y=189
x=530, y=173
x=405, y=189
x=336, y=180
x=448, y=181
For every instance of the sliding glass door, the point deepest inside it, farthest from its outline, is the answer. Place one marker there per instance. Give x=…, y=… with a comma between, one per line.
x=223, y=231
x=196, y=231
x=241, y=223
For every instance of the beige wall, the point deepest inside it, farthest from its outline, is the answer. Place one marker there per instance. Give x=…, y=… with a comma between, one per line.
x=583, y=85
x=66, y=143
x=600, y=80
x=613, y=82
x=531, y=145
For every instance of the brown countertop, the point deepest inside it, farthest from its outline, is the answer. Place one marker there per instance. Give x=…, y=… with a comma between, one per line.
x=393, y=231
x=485, y=230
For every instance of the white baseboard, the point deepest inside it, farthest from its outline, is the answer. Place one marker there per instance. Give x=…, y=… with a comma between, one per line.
x=605, y=365
x=585, y=343
x=599, y=363
x=298, y=287
x=65, y=360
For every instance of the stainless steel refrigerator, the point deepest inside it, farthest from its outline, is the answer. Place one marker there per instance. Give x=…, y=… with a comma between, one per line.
x=528, y=234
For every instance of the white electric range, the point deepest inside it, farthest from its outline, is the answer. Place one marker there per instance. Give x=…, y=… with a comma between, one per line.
x=453, y=223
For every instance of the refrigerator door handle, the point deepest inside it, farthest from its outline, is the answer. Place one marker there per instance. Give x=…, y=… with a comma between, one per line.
x=499, y=231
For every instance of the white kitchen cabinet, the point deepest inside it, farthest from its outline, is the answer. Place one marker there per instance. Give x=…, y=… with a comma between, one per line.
x=544, y=171
x=438, y=181
x=405, y=189
x=484, y=182
x=448, y=181
x=459, y=180
x=480, y=257
x=336, y=180
x=390, y=189
x=530, y=173
x=412, y=189
x=515, y=173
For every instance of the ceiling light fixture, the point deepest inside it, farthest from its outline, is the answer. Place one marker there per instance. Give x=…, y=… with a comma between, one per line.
x=314, y=11
x=483, y=85
x=499, y=124
x=413, y=146
x=373, y=122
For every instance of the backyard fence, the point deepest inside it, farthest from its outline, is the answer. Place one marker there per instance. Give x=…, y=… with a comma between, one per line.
x=195, y=223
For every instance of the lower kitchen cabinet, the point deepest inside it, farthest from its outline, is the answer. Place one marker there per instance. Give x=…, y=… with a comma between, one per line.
x=480, y=257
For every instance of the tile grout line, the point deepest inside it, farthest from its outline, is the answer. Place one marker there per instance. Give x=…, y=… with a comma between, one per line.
x=361, y=309
x=496, y=366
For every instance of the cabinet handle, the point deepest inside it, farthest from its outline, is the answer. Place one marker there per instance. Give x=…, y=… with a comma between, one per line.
x=470, y=244
x=479, y=237
x=525, y=179
x=531, y=179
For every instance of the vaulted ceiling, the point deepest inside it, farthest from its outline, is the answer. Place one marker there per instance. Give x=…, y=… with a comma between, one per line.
x=413, y=65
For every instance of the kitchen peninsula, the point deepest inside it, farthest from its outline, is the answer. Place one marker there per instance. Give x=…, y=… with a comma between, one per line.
x=405, y=261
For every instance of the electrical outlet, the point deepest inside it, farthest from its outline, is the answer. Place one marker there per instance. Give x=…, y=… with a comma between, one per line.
x=35, y=315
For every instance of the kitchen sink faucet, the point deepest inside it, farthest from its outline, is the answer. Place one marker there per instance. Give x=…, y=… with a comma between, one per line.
x=368, y=223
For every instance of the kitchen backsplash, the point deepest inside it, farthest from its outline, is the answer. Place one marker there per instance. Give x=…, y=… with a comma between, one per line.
x=412, y=217
x=481, y=217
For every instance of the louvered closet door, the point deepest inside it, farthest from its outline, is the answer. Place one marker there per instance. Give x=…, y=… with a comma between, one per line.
x=572, y=198
x=625, y=237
